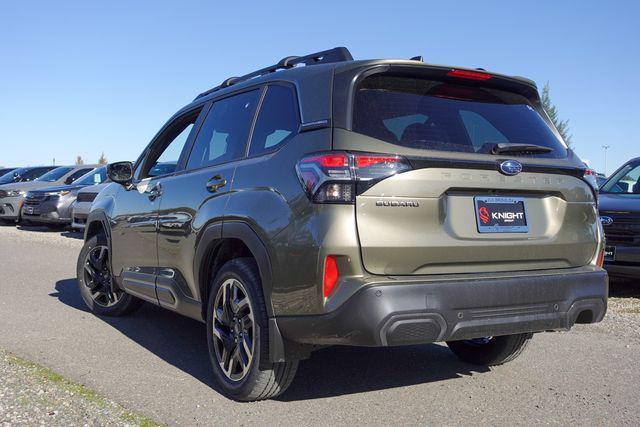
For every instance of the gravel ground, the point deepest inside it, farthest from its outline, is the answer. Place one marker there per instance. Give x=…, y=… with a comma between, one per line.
x=154, y=363
x=623, y=315
x=31, y=394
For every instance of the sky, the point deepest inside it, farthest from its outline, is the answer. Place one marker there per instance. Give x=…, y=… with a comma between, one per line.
x=82, y=78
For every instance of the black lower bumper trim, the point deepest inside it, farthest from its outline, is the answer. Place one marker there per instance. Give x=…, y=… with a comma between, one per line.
x=412, y=312
x=625, y=270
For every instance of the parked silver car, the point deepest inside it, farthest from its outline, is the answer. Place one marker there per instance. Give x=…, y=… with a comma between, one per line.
x=52, y=205
x=85, y=198
x=12, y=195
x=82, y=205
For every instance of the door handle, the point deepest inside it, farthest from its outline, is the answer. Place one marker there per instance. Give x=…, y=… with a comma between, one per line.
x=216, y=183
x=155, y=192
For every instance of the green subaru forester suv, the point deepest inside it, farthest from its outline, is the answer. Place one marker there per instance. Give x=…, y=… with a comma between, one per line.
x=326, y=201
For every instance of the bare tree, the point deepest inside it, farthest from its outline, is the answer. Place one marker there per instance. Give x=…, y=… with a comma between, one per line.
x=103, y=159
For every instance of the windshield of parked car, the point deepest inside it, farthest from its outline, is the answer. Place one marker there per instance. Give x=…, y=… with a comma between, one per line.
x=55, y=174
x=8, y=178
x=23, y=174
x=96, y=176
x=625, y=181
x=442, y=116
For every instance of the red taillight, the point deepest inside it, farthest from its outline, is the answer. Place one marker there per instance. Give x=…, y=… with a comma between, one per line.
x=332, y=177
x=331, y=274
x=591, y=177
x=329, y=160
x=471, y=75
x=363, y=161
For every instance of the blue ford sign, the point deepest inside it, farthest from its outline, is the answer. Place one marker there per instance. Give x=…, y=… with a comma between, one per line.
x=606, y=220
x=511, y=167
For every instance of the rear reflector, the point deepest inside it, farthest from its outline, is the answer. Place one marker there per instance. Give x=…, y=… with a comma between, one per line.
x=471, y=75
x=601, y=258
x=330, y=275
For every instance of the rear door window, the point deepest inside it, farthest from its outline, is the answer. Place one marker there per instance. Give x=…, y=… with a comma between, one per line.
x=433, y=115
x=77, y=174
x=224, y=133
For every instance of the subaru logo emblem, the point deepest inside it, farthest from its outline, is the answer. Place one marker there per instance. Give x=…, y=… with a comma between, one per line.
x=511, y=167
x=606, y=220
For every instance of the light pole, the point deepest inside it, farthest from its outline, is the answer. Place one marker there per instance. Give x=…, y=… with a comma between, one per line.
x=605, y=148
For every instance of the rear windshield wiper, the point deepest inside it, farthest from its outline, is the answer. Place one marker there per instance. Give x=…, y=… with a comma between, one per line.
x=520, y=148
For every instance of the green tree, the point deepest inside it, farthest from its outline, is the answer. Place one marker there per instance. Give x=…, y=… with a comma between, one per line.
x=552, y=112
x=102, y=160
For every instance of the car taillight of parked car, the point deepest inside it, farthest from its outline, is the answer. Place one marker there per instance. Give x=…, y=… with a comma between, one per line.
x=337, y=177
x=591, y=177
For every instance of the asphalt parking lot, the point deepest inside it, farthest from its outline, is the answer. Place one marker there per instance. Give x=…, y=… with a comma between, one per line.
x=154, y=362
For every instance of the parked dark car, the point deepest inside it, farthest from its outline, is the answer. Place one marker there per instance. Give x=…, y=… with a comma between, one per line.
x=25, y=174
x=326, y=201
x=4, y=171
x=52, y=206
x=620, y=217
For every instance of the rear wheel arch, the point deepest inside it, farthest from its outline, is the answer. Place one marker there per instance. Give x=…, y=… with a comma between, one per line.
x=219, y=244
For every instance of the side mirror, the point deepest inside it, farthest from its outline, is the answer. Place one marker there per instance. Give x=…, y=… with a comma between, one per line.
x=120, y=172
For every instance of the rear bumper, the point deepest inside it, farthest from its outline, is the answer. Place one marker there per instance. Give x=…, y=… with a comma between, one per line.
x=400, y=313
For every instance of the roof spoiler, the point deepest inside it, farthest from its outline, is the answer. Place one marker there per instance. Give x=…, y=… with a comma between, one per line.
x=337, y=54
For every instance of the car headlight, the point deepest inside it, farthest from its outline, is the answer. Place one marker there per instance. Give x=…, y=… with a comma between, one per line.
x=15, y=193
x=56, y=193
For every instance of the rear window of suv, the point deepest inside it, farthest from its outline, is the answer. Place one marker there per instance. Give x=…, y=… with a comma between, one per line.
x=433, y=115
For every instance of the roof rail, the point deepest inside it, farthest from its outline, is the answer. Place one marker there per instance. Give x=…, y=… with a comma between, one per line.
x=337, y=54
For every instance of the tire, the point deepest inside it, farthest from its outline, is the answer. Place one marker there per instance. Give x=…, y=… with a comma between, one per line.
x=259, y=379
x=491, y=351
x=121, y=303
